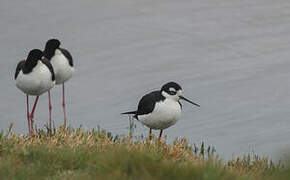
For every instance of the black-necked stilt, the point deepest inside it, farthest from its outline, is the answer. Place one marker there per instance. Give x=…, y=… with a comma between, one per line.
x=160, y=109
x=34, y=76
x=62, y=63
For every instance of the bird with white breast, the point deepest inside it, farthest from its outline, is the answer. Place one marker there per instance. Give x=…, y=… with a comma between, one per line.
x=160, y=109
x=62, y=63
x=34, y=76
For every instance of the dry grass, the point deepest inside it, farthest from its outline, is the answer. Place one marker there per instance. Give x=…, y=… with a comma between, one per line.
x=74, y=154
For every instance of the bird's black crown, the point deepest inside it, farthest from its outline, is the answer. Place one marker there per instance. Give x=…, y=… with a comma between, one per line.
x=168, y=87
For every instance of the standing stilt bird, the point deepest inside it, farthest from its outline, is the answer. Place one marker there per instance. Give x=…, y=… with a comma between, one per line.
x=34, y=76
x=62, y=63
x=160, y=109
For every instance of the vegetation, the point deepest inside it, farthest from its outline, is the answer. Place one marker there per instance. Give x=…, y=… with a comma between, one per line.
x=76, y=154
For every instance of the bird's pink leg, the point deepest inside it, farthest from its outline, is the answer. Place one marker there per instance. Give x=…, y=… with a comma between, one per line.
x=160, y=134
x=32, y=113
x=49, y=108
x=28, y=117
x=63, y=106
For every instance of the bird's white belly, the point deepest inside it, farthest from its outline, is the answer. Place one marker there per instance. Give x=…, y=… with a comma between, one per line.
x=62, y=70
x=36, y=82
x=165, y=114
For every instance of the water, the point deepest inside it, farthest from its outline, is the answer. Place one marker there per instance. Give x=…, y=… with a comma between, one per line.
x=232, y=57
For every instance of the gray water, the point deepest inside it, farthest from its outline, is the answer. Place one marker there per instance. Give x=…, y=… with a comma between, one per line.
x=230, y=56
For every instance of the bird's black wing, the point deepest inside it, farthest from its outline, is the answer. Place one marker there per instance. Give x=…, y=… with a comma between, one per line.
x=20, y=65
x=147, y=103
x=49, y=66
x=67, y=55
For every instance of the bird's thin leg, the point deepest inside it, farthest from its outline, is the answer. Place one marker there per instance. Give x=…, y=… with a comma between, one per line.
x=32, y=113
x=49, y=108
x=63, y=105
x=28, y=117
x=150, y=133
x=160, y=134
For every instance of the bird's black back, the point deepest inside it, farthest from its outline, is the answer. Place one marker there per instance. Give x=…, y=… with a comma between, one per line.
x=20, y=66
x=147, y=103
x=67, y=55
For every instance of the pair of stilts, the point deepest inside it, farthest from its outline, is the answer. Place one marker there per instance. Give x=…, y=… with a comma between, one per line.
x=40, y=72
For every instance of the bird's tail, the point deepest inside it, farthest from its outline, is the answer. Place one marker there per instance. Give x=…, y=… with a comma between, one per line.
x=129, y=112
x=132, y=112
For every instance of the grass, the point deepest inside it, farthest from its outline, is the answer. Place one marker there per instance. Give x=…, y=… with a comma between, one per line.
x=77, y=154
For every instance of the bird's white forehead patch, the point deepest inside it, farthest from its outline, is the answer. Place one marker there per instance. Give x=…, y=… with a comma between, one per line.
x=172, y=89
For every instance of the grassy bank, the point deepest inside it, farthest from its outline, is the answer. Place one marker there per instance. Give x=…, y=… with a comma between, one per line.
x=75, y=154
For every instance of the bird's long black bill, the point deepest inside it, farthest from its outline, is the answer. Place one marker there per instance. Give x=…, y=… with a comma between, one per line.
x=183, y=98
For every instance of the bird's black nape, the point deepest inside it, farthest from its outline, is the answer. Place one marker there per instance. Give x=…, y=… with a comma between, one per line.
x=50, y=47
x=34, y=54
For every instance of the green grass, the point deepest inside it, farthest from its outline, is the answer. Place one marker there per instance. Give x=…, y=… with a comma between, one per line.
x=75, y=154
